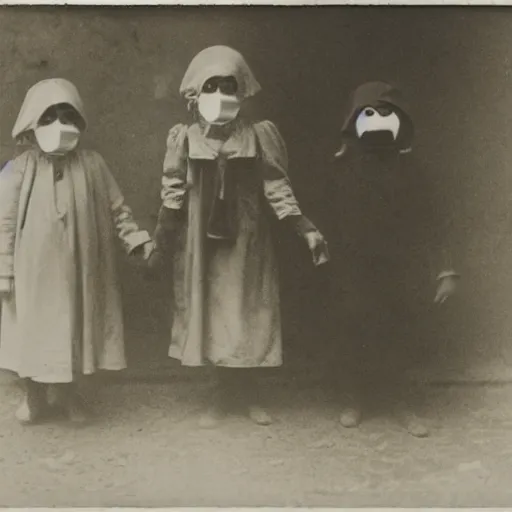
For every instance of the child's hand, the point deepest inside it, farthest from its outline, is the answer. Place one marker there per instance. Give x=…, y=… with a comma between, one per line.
x=143, y=252
x=149, y=247
x=318, y=247
x=447, y=287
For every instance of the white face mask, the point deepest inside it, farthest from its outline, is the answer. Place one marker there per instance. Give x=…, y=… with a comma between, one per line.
x=218, y=108
x=57, y=138
x=369, y=120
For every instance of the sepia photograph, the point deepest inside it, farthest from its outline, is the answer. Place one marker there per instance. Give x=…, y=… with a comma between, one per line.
x=255, y=256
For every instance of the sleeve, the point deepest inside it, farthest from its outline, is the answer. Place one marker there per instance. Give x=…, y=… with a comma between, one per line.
x=276, y=184
x=11, y=179
x=125, y=225
x=435, y=223
x=174, y=179
x=448, y=267
x=446, y=253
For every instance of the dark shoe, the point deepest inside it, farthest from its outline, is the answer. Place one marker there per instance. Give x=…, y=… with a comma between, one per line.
x=65, y=399
x=78, y=410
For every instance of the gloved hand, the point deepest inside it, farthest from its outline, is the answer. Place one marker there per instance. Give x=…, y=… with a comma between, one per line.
x=167, y=224
x=446, y=288
x=160, y=250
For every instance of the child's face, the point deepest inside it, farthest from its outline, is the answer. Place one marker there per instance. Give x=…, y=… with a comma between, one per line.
x=65, y=113
x=58, y=129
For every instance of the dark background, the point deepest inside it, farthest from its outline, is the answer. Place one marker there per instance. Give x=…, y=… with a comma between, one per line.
x=453, y=63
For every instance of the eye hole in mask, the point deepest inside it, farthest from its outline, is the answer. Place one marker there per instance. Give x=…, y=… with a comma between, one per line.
x=225, y=84
x=383, y=110
x=65, y=113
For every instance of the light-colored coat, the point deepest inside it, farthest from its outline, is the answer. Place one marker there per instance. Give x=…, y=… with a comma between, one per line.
x=66, y=294
x=226, y=292
x=57, y=245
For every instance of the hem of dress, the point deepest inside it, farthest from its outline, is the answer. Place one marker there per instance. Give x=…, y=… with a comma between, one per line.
x=209, y=362
x=57, y=380
x=50, y=381
x=177, y=357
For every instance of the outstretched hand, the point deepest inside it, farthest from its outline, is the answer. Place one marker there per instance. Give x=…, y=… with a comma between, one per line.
x=446, y=288
x=318, y=247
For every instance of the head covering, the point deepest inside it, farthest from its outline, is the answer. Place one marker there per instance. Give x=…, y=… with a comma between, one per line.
x=218, y=61
x=375, y=94
x=42, y=96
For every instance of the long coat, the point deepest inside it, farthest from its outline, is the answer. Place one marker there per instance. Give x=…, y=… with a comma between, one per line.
x=57, y=242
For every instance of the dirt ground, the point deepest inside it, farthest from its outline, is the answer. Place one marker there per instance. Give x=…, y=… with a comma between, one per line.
x=145, y=449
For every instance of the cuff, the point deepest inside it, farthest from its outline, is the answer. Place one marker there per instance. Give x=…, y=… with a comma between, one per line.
x=6, y=284
x=135, y=240
x=174, y=203
x=447, y=273
x=6, y=260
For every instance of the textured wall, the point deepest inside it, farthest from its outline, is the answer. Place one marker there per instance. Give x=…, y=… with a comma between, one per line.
x=453, y=63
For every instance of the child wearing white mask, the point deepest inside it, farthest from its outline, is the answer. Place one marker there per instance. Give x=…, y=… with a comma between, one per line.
x=222, y=175
x=60, y=213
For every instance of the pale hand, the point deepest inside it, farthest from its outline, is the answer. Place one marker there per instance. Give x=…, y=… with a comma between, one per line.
x=149, y=247
x=318, y=247
x=447, y=287
x=142, y=253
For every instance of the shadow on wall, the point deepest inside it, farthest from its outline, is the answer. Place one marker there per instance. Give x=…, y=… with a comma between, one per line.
x=453, y=63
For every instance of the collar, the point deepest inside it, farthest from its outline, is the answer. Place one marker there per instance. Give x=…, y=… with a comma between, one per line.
x=240, y=144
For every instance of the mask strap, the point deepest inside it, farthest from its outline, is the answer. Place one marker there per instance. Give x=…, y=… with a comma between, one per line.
x=191, y=98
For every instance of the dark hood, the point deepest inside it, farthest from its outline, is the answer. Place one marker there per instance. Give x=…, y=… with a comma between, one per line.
x=374, y=94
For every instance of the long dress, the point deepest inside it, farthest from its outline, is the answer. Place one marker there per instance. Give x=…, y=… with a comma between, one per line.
x=57, y=240
x=226, y=292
